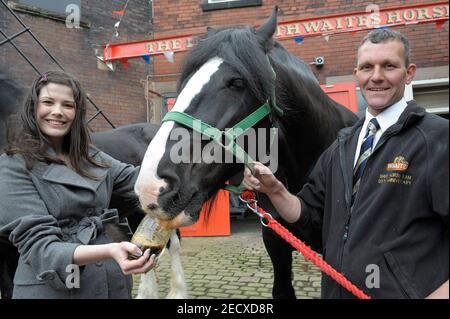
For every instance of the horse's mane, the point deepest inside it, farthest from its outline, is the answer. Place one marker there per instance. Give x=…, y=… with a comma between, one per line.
x=247, y=53
x=300, y=92
x=10, y=95
x=239, y=47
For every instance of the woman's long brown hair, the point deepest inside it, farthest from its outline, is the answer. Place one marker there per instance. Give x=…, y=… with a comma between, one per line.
x=26, y=138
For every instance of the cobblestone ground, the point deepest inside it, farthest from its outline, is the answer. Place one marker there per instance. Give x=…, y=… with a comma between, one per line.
x=235, y=266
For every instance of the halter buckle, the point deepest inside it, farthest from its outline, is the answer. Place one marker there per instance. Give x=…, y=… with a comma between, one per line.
x=228, y=140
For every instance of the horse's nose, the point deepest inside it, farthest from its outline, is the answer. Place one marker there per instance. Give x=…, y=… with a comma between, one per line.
x=149, y=190
x=152, y=206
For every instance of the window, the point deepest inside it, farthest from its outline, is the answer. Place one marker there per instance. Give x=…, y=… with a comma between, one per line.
x=208, y=5
x=168, y=102
x=50, y=5
x=432, y=95
x=217, y=1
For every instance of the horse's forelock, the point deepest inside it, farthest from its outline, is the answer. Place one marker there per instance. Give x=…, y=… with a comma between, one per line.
x=240, y=48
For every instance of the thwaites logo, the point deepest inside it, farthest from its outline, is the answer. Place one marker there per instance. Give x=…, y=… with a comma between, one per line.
x=400, y=164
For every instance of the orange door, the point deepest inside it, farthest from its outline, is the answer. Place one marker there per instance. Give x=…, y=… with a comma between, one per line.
x=343, y=93
x=218, y=223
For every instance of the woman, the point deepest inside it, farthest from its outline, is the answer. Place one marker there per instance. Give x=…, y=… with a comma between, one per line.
x=54, y=192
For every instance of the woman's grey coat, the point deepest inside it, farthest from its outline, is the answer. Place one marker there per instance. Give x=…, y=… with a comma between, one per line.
x=48, y=211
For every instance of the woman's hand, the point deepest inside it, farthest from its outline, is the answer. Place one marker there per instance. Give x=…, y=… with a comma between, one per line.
x=120, y=252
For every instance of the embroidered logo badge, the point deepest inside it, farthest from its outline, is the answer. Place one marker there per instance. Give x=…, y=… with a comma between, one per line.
x=399, y=164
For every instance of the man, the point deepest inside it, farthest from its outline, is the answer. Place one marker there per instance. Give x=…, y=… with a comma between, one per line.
x=379, y=193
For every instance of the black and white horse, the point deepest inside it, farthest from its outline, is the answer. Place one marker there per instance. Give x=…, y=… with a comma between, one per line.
x=230, y=74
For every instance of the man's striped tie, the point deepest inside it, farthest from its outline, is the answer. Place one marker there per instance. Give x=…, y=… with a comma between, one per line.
x=366, y=150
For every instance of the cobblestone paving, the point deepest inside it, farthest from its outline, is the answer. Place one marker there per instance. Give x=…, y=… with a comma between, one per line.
x=235, y=266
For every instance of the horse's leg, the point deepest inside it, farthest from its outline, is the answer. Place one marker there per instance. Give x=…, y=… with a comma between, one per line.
x=8, y=264
x=148, y=287
x=178, y=288
x=280, y=253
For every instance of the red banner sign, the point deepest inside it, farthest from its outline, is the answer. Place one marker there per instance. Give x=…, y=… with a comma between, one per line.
x=372, y=18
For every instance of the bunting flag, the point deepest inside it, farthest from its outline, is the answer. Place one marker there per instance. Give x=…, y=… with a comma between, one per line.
x=108, y=64
x=169, y=56
x=299, y=39
x=118, y=13
x=327, y=37
x=440, y=24
x=146, y=58
x=116, y=28
x=124, y=63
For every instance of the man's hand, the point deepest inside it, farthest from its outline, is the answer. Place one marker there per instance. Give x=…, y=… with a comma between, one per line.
x=440, y=293
x=264, y=181
x=286, y=204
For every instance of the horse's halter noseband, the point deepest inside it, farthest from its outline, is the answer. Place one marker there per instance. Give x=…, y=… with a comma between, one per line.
x=233, y=133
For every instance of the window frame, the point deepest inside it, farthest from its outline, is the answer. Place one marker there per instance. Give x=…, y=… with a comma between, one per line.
x=428, y=83
x=228, y=4
x=39, y=8
x=44, y=13
x=165, y=99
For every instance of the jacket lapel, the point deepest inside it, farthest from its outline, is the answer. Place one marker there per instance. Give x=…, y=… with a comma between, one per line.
x=348, y=138
x=61, y=174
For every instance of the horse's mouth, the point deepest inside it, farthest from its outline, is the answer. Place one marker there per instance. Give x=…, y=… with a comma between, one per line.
x=174, y=217
x=181, y=220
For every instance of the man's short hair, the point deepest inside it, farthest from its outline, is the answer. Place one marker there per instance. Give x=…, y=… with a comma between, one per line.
x=384, y=35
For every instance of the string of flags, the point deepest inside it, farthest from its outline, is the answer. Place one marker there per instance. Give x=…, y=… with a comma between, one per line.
x=120, y=13
x=326, y=36
x=147, y=59
x=169, y=55
x=124, y=61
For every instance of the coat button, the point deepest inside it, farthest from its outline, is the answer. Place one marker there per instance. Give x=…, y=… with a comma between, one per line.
x=99, y=264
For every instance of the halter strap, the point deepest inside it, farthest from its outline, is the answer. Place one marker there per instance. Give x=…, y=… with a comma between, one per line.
x=230, y=135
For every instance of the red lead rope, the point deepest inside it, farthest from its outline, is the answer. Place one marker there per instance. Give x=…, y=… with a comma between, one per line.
x=305, y=250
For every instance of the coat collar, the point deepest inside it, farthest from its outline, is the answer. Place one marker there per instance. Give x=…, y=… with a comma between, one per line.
x=409, y=116
x=61, y=174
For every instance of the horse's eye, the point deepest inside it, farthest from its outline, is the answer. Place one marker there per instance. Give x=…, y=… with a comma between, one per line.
x=236, y=84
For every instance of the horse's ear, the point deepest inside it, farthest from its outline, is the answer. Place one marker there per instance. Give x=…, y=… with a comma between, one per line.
x=267, y=30
x=210, y=30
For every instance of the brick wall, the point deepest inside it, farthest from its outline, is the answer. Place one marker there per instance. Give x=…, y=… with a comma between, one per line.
x=120, y=93
x=176, y=17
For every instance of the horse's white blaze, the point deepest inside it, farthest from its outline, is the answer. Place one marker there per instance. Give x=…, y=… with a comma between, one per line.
x=148, y=182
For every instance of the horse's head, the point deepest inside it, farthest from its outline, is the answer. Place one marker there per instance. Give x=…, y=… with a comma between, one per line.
x=227, y=81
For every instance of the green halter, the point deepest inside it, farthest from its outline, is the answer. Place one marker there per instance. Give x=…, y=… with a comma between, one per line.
x=231, y=134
